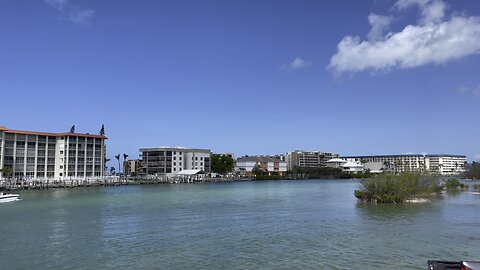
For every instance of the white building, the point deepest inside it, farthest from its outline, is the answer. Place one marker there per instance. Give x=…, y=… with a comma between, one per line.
x=169, y=161
x=38, y=155
x=352, y=167
x=444, y=164
x=269, y=165
x=335, y=162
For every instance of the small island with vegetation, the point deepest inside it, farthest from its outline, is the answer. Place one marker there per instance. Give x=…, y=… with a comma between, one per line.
x=399, y=188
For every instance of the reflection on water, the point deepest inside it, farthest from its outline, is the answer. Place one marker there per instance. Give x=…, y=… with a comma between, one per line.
x=260, y=225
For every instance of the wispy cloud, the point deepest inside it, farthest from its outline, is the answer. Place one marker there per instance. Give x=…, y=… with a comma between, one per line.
x=71, y=12
x=477, y=157
x=432, y=40
x=472, y=90
x=297, y=63
x=379, y=24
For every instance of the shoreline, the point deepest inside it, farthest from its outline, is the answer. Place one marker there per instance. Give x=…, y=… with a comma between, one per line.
x=78, y=183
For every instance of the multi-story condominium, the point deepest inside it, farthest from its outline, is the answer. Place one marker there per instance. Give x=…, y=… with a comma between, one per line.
x=443, y=164
x=308, y=159
x=132, y=167
x=171, y=160
x=31, y=154
x=269, y=165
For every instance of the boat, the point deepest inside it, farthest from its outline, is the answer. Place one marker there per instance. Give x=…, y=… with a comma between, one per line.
x=6, y=197
x=460, y=265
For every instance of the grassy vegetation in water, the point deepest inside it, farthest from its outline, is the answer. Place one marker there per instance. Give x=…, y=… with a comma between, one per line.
x=454, y=184
x=391, y=188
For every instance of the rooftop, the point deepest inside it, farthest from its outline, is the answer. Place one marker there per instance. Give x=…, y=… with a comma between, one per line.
x=66, y=134
x=407, y=155
x=259, y=159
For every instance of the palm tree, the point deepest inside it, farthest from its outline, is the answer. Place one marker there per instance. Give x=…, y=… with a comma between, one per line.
x=125, y=156
x=118, y=158
x=105, y=163
x=7, y=171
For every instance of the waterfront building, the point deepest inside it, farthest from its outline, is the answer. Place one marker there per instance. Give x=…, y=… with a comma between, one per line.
x=444, y=164
x=169, y=161
x=352, y=167
x=335, y=162
x=132, y=167
x=308, y=159
x=38, y=155
x=269, y=165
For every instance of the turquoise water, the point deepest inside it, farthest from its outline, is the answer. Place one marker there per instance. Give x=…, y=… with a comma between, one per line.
x=245, y=225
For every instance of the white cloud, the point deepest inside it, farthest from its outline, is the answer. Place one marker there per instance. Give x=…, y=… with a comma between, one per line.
x=477, y=157
x=71, y=12
x=379, y=23
x=476, y=92
x=432, y=10
x=464, y=89
x=430, y=42
x=297, y=63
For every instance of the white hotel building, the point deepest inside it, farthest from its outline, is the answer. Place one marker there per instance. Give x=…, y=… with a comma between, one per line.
x=444, y=164
x=40, y=155
x=169, y=161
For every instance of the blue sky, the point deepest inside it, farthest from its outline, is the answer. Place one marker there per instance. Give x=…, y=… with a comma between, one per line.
x=250, y=76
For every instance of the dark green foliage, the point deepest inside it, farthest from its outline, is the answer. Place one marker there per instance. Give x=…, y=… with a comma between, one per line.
x=391, y=188
x=473, y=170
x=72, y=129
x=268, y=177
x=452, y=184
x=257, y=170
x=102, y=130
x=7, y=171
x=222, y=164
x=328, y=173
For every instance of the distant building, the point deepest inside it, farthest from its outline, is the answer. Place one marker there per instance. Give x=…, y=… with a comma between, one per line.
x=335, y=162
x=132, y=167
x=444, y=164
x=171, y=160
x=308, y=159
x=33, y=154
x=352, y=167
x=269, y=165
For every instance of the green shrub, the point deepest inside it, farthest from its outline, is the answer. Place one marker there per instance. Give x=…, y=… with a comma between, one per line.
x=391, y=188
x=453, y=183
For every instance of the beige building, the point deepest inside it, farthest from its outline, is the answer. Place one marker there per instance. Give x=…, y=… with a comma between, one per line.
x=32, y=154
x=171, y=160
x=132, y=167
x=269, y=165
x=308, y=159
